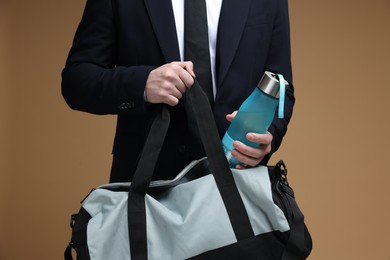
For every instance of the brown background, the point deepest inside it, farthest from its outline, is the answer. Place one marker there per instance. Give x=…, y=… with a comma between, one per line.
x=336, y=149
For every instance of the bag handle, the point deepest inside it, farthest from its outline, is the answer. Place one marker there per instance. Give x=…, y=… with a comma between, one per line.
x=218, y=166
x=218, y=163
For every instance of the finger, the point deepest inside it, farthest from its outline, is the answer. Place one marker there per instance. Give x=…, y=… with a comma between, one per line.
x=245, y=159
x=179, y=76
x=186, y=79
x=264, y=139
x=171, y=100
x=241, y=167
x=249, y=151
x=171, y=77
x=170, y=88
x=175, y=92
x=189, y=67
x=231, y=116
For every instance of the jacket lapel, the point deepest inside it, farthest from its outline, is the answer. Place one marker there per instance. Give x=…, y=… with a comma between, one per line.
x=232, y=21
x=163, y=22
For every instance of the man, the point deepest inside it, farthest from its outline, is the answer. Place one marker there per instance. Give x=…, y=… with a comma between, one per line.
x=127, y=59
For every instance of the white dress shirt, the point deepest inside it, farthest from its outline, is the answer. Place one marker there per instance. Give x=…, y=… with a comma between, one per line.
x=213, y=11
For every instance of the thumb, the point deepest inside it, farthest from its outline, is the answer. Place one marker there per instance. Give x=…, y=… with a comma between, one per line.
x=189, y=67
x=231, y=116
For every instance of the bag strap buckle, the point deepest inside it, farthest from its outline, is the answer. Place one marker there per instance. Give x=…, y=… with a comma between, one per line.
x=283, y=172
x=73, y=220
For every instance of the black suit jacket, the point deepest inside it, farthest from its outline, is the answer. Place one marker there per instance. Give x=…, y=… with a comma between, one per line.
x=118, y=43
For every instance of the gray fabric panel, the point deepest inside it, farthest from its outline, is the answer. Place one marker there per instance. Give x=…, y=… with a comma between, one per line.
x=187, y=223
x=109, y=219
x=255, y=189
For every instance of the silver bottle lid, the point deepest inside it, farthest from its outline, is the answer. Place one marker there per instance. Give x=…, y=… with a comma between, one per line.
x=269, y=83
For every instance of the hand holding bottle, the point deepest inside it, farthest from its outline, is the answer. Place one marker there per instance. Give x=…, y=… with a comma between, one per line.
x=247, y=155
x=247, y=140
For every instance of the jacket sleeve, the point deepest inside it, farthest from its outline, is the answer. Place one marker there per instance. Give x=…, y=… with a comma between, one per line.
x=92, y=81
x=279, y=61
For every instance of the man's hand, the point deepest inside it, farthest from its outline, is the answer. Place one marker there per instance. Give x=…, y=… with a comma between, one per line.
x=167, y=83
x=246, y=154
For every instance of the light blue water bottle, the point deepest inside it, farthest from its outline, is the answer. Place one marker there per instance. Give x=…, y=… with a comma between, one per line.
x=256, y=113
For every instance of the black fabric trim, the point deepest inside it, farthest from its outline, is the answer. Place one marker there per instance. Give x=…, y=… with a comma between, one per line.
x=68, y=252
x=79, y=234
x=299, y=244
x=267, y=246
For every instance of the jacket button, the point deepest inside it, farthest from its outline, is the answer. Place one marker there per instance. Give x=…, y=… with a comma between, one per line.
x=125, y=105
x=182, y=148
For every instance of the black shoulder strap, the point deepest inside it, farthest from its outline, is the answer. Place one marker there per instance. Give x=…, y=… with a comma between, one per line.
x=136, y=212
x=218, y=164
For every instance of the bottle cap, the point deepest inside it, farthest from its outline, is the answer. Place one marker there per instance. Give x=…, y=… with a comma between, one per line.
x=269, y=84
